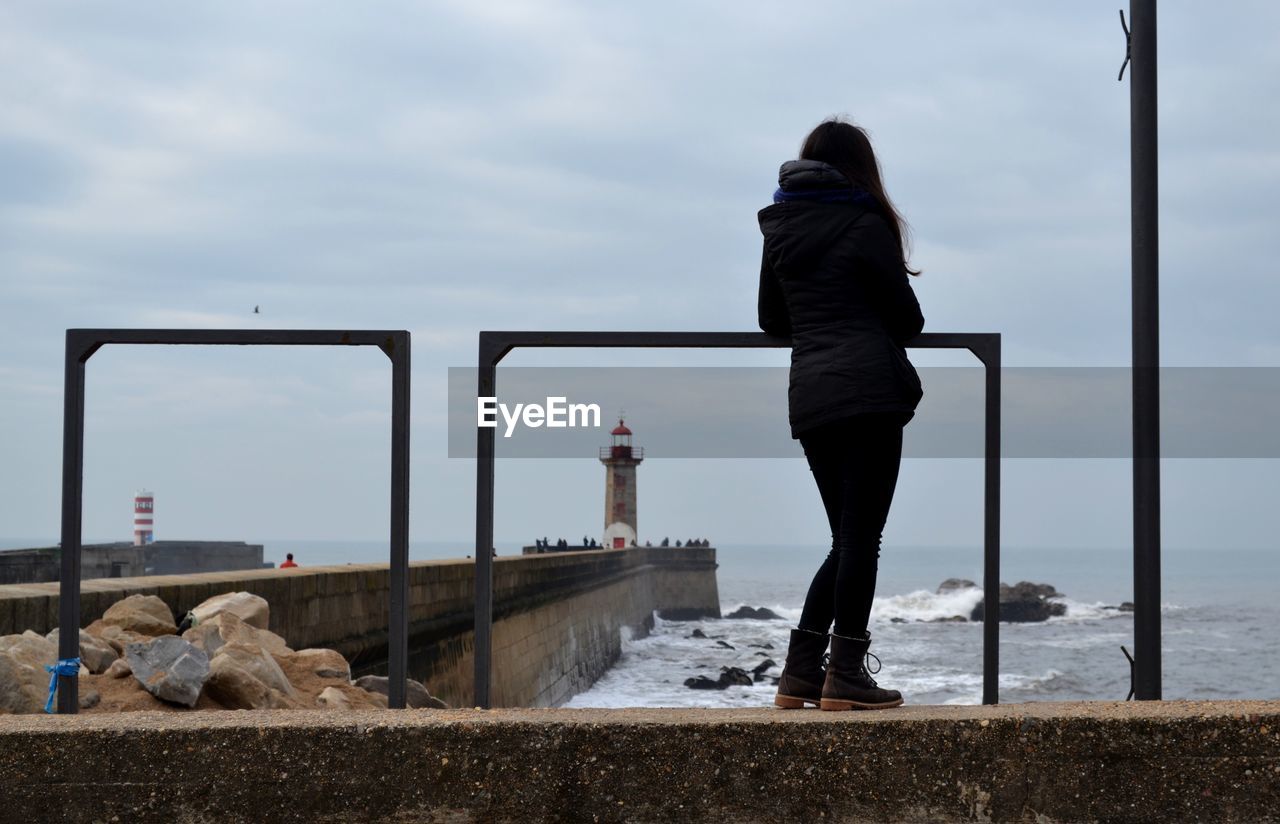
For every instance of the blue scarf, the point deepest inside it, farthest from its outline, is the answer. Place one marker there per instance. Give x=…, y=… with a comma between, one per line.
x=842, y=195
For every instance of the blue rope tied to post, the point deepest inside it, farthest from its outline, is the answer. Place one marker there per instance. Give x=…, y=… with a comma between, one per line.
x=70, y=667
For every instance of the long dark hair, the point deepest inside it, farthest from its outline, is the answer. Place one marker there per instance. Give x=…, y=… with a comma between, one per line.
x=847, y=148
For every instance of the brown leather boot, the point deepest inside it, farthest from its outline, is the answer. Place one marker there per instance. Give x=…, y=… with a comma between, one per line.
x=849, y=686
x=802, y=674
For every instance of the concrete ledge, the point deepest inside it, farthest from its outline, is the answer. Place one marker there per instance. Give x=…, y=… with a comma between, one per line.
x=1174, y=761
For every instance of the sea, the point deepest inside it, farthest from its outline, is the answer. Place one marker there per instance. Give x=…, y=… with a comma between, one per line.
x=1220, y=623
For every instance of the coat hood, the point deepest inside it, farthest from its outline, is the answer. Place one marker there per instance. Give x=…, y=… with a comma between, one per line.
x=798, y=175
x=799, y=232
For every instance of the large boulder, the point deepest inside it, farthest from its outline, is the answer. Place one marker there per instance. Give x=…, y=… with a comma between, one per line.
x=757, y=613
x=169, y=668
x=250, y=608
x=323, y=663
x=115, y=637
x=24, y=681
x=228, y=627
x=143, y=614
x=257, y=662
x=1026, y=589
x=416, y=694
x=1025, y=602
x=23, y=689
x=30, y=649
x=95, y=654
x=954, y=584
x=234, y=683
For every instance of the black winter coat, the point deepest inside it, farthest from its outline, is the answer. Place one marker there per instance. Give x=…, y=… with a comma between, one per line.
x=833, y=279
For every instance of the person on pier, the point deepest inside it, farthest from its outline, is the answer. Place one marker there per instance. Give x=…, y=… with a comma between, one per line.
x=834, y=279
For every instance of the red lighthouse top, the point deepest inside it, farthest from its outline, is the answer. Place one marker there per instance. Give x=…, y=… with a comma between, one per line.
x=620, y=447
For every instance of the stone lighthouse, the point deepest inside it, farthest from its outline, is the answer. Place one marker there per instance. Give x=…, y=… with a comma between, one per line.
x=620, y=460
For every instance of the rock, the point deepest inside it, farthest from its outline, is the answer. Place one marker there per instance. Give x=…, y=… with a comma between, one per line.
x=697, y=633
x=114, y=636
x=1127, y=606
x=702, y=682
x=226, y=628
x=30, y=649
x=950, y=620
x=250, y=608
x=953, y=584
x=143, y=614
x=896, y=620
x=169, y=668
x=1025, y=602
x=332, y=698
x=258, y=663
x=119, y=669
x=23, y=689
x=725, y=644
x=758, y=613
x=95, y=654
x=758, y=671
x=1026, y=589
x=416, y=695
x=729, y=677
x=234, y=681
x=325, y=663
x=89, y=698
x=760, y=646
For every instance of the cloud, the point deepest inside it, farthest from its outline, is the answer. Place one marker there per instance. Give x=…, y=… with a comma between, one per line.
x=450, y=167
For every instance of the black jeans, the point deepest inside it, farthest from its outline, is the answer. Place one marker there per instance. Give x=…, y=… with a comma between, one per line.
x=855, y=463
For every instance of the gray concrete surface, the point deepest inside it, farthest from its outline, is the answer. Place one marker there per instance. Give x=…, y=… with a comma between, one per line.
x=1172, y=761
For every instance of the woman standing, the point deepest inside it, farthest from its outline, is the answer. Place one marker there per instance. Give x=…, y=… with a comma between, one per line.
x=834, y=279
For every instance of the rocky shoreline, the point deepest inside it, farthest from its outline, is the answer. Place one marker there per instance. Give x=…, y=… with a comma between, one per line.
x=220, y=656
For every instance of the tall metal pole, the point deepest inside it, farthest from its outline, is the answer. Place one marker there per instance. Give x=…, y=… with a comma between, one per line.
x=483, y=649
x=1146, y=350
x=72, y=494
x=398, y=616
x=990, y=355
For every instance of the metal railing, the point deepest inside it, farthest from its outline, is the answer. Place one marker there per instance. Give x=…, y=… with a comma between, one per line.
x=494, y=346
x=83, y=343
x=624, y=452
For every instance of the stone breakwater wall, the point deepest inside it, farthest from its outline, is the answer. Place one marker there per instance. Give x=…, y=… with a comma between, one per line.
x=558, y=619
x=1140, y=761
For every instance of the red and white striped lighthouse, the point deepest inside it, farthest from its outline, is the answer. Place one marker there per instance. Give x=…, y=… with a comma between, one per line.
x=144, y=505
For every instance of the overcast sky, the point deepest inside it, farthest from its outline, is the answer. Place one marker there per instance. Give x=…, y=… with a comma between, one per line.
x=447, y=167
